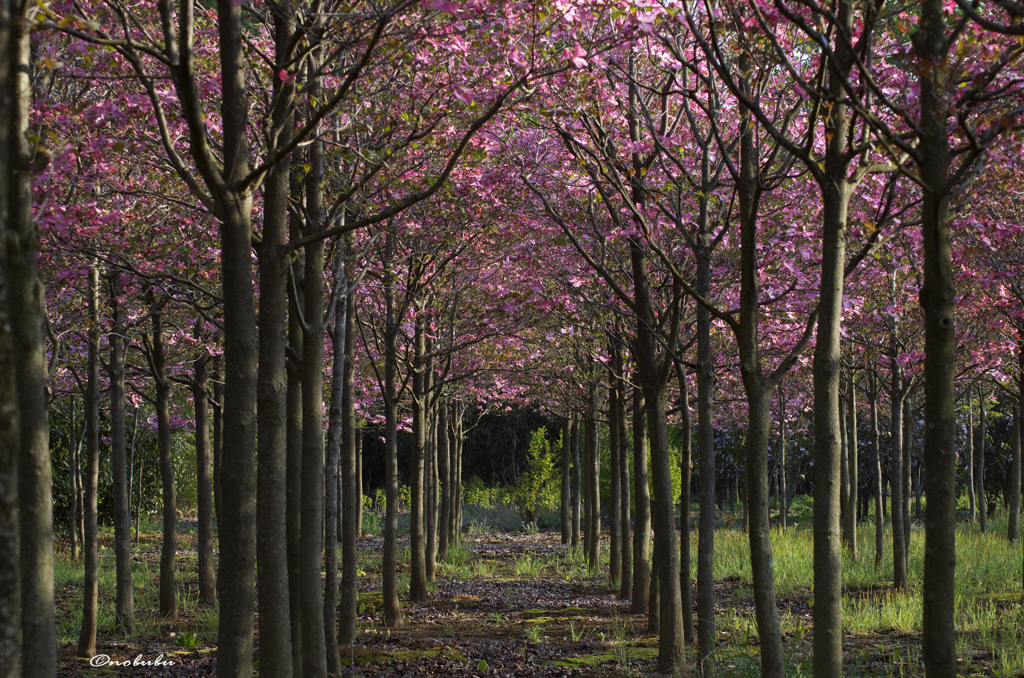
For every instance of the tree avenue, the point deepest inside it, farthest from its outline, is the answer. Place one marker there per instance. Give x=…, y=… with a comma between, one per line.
x=298, y=297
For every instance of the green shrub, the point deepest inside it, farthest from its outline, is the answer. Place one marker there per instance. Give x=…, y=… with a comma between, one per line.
x=537, y=489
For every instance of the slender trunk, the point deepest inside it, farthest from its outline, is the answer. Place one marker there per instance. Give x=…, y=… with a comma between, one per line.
x=614, y=477
x=783, y=490
x=125, y=600
x=431, y=480
x=706, y=639
x=293, y=443
x=758, y=393
x=27, y=315
x=979, y=459
x=844, y=462
x=417, y=537
x=351, y=496
x=359, y=473
x=574, y=452
x=445, y=472
x=626, y=545
x=218, y=436
x=311, y=502
x=204, y=483
x=1013, y=523
x=338, y=334
x=654, y=592
x=907, y=451
x=592, y=452
x=685, y=464
x=169, y=513
x=565, y=494
x=392, y=611
x=10, y=624
x=850, y=523
x=90, y=593
x=274, y=587
x=970, y=456
x=899, y=544
x=876, y=471
x=73, y=465
x=458, y=439
x=642, y=497
x=238, y=467
x=939, y=647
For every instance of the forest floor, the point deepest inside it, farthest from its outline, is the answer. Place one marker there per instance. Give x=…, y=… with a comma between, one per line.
x=518, y=605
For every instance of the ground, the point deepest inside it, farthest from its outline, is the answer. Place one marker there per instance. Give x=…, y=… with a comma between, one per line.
x=515, y=605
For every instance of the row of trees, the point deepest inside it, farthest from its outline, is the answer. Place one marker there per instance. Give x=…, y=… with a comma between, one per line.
x=495, y=203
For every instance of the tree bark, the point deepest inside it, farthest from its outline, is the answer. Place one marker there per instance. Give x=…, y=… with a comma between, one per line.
x=706, y=636
x=642, y=498
x=614, y=477
x=850, y=523
x=565, y=487
x=896, y=395
x=939, y=648
x=169, y=504
x=626, y=587
x=392, y=610
x=293, y=442
x=311, y=601
x=876, y=471
x=979, y=460
x=27, y=317
x=685, y=463
x=75, y=489
x=574, y=451
x=204, y=482
x=339, y=336
x=10, y=623
x=417, y=537
x=125, y=599
x=351, y=496
x=90, y=592
x=274, y=587
x=592, y=452
x=1013, y=523
x=445, y=473
x=970, y=456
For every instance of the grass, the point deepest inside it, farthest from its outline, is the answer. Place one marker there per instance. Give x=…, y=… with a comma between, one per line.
x=882, y=625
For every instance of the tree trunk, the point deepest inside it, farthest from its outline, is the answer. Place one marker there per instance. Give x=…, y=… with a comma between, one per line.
x=939, y=648
x=614, y=475
x=430, y=478
x=417, y=536
x=1013, y=523
x=204, y=484
x=642, y=497
x=783, y=490
x=27, y=317
x=850, y=524
x=392, y=611
x=169, y=504
x=293, y=442
x=311, y=600
x=574, y=452
x=10, y=624
x=907, y=452
x=979, y=459
x=351, y=496
x=685, y=463
x=565, y=486
x=125, y=600
x=90, y=593
x=339, y=336
x=970, y=456
x=876, y=471
x=238, y=467
x=445, y=473
x=592, y=452
x=844, y=463
x=75, y=490
x=274, y=587
x=626, y=544
x=896, y=395
x=706, y=636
